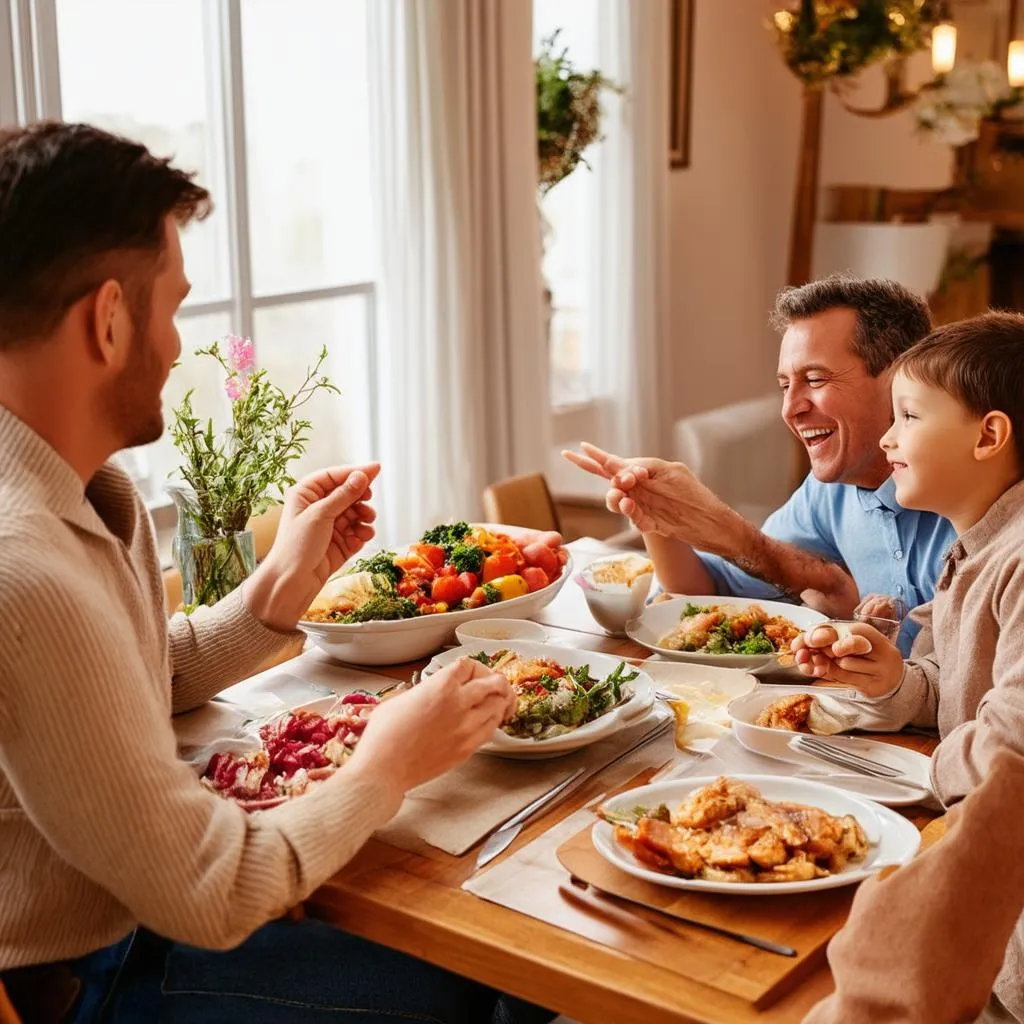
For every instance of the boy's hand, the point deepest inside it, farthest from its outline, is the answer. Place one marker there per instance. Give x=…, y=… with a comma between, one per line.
x=854, y=654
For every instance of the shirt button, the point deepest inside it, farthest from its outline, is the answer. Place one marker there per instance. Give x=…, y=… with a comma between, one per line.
x=899, y=590
x=898, y=553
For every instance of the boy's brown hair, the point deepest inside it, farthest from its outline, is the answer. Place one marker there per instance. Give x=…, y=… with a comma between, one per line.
x=980, y=362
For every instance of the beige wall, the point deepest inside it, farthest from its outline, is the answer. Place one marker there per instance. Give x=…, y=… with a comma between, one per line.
x=730, y=210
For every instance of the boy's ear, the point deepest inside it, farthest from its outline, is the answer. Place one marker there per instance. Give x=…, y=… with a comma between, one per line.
x=996, y=434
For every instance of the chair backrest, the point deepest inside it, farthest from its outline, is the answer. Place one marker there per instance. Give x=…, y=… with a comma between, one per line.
x=8, y=1014
x=264, y=530
x=743, y=452
x=521, y=501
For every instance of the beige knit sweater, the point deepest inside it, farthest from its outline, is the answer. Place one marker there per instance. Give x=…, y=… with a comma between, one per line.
x=101, y=825
x=966, y=676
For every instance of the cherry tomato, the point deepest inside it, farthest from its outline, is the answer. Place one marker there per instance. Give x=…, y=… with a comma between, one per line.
x=543, y=557
x=470, y=579
x=449, y=589
x=433, y=553
x=536, y=578
x=499, y=564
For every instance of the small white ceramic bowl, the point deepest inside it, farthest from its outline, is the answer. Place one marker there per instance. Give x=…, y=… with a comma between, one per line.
x=500, y=629
x=614, y=604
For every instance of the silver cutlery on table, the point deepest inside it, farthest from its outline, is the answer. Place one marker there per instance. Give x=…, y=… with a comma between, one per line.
x=665, y=920
x=503, y=836
x=843, y=758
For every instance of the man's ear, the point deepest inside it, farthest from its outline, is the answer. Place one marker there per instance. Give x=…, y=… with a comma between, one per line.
x=995, y=434
x=111, y=324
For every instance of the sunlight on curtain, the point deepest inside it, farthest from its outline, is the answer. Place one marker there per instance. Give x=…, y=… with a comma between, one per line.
x=630, y=265
x=461, y=350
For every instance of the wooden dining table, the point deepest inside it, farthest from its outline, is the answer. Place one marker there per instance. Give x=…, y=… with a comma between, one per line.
x=414, y=902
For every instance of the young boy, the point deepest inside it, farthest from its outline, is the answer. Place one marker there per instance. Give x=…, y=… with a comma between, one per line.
x=956, y=448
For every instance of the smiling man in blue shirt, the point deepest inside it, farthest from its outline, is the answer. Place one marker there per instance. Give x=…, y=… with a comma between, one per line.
x=842, y=535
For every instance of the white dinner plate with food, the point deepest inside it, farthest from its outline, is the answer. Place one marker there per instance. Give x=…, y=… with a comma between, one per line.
x=553, y=715
x=393, y=641
x=721, y=630
x=885, y=837
x=824, y=714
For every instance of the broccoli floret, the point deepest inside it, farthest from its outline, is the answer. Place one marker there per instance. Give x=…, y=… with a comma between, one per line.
x=383, y=606
x=693, y=609
x=492, y=593
x=381, y=564
x=755, y=642
x=447, y=535
x=467, y=558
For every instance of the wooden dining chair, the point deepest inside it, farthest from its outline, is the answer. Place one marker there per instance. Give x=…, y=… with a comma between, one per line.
x=521, y=501
x=264, y=529
x=8, y=1014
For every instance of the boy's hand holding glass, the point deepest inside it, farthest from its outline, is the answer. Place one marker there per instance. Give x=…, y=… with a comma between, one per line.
x=852, y=653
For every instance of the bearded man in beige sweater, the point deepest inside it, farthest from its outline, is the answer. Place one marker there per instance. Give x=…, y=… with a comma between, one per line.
x=102, y=828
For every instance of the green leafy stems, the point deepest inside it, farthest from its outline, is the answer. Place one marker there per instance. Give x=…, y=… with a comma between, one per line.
x=245, y=471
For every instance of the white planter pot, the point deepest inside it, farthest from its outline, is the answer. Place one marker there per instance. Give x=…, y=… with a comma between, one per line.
x=913, y=254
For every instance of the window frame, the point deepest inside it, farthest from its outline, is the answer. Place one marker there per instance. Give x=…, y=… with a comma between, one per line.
x=30, y=91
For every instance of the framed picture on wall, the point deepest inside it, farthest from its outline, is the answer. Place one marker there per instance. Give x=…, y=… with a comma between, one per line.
x=681, y=81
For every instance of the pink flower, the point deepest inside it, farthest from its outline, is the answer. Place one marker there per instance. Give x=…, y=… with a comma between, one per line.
x=241, y=354
x=236, y=387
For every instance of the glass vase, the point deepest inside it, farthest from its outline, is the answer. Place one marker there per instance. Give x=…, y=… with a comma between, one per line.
x=210, y=567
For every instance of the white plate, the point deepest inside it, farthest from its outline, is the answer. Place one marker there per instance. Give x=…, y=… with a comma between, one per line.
x=401, y=640
x=657, y=620
x=914, y=767
x=894, y=839
x=572, y=657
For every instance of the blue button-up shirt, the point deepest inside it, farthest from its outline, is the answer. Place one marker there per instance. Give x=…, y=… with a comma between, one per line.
x=887, y=549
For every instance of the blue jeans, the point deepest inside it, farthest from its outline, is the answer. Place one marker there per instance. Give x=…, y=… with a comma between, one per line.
x=304, y=971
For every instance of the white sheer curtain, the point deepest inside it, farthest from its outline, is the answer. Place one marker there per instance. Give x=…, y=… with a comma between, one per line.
x=462, y=364
x=630, y=263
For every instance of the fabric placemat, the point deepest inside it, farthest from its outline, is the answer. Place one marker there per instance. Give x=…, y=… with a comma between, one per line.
x=457, y=810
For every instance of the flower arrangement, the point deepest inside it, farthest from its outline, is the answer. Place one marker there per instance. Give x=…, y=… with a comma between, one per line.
x=241, y=474
x=953, y=107
x=825, y=39
x=568, y=113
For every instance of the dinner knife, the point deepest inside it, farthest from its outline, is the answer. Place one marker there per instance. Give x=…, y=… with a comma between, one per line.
x=502, y=838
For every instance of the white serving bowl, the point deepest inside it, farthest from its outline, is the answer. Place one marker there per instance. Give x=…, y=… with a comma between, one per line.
x=401, y=640
x=571, y=657
x=661, y=618
x=775, y=743
x=500, y=630
x=614, y=604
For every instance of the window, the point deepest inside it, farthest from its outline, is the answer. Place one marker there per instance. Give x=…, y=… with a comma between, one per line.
x=567, y=211
x=271, y=111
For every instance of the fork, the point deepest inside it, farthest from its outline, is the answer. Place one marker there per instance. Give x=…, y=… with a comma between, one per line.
x=844, y=758
x=811, y=744
x=665, y=921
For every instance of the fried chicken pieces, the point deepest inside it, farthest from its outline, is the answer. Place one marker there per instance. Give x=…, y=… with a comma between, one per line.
x=728, y=832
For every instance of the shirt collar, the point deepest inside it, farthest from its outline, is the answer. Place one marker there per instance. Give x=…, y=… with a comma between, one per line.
x=882, y=497
x=36, y=477
x=1007, y=506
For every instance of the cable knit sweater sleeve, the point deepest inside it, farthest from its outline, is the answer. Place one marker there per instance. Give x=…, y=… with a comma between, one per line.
x=214, y=648
x=87, y=746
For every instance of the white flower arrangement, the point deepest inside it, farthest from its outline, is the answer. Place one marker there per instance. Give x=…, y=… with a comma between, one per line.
x=953, y=107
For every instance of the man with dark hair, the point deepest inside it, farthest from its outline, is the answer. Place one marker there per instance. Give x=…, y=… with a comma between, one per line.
x=102, y=828
x=842, y=535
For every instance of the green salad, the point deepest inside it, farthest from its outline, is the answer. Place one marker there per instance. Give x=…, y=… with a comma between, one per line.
x=552, y=699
